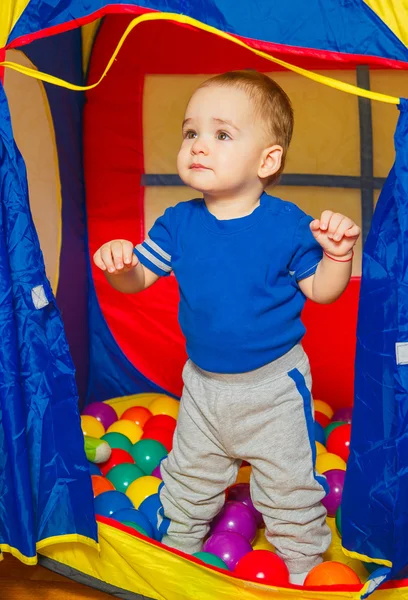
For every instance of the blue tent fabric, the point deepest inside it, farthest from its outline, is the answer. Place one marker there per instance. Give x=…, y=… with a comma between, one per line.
x=349, y=26
x=45, y=488
x=375, y=499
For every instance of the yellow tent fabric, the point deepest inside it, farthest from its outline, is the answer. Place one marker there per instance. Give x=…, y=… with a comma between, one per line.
x=395, y=14
x=10, y=12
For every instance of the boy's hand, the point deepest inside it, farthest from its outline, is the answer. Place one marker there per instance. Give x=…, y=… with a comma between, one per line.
x=115, y=256
x=335, y=233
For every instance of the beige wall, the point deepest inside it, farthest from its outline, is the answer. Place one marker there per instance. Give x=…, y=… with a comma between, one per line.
x=34, y=135
x=326, y=138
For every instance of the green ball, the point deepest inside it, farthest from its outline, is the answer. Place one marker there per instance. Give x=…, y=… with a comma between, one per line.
x=118, y=440
x=135, y=527
x=123, y=475
x=211, y=559
x=331, y=427
x=147, y=454
x=338, y=521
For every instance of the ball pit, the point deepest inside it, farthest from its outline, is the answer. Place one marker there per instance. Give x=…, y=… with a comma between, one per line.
x=126, y=489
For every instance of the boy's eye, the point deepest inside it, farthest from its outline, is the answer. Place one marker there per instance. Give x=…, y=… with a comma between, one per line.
x=223, y=135
x=190, y=134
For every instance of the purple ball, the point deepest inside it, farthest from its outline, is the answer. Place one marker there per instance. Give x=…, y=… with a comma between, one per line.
x=343, y=414
x=236, y=518
x=156, y=472
x=240, y=492
x=104, y=413
x=335, y=479
x=228, y=546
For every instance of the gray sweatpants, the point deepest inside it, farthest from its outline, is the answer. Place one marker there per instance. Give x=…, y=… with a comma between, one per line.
x=264, y=417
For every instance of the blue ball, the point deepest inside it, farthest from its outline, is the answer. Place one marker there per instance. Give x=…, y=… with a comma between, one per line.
x=150, y=508
x=107, y=503
x=134, y=516
x=94, y=469
x=319, y=433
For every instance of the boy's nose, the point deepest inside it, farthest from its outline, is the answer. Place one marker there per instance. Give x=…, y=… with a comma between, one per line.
x=199, y=147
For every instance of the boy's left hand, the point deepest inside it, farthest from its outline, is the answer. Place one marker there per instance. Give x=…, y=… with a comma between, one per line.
x=335, y=233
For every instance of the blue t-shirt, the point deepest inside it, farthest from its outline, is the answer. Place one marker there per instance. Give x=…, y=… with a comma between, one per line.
x=240, y=303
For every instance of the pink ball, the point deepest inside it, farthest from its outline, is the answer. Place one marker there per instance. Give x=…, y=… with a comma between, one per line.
x=344, y=414
x=229, y=547
x=104, y=413
x=156, y=472
x=335, y=479
x=240, y=492
x=236, y=518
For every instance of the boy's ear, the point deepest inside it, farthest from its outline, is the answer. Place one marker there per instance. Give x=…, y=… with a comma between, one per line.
x=271, y=161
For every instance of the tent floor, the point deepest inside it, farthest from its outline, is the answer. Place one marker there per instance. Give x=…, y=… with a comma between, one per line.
x=19, y=582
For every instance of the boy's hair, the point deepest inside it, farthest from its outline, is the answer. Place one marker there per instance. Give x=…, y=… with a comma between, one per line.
x=271, y=103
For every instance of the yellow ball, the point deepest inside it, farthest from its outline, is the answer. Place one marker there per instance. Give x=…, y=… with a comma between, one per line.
x=320, y=449
x=128, y=428
x=163, y=405
x=92, y=427
x=261, y=543
x=328, y=461
x=323, y=407
x=142, y=488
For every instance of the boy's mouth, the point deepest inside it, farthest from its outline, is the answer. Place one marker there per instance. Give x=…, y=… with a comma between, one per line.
x=198, y=166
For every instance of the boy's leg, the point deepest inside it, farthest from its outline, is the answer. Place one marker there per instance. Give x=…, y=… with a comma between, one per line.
x=198, y=470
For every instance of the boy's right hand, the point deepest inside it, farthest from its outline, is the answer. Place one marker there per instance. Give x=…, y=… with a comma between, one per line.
x=116, y=256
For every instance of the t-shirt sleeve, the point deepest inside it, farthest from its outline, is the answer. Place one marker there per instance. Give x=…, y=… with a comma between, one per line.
x=155, y=252
x=307, y=252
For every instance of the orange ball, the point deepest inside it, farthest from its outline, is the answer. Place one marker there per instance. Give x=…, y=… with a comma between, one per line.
x=164, y=405
x=331, y=573
x=137, y=414
x=100, y=485
x=323, y=407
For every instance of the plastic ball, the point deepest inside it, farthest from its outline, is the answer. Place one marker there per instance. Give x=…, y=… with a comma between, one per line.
x=323, y=407
x=321, y=418
x=100, y=485
x=237, y=518
x=136, y=528
x=156, y=472
x=147, y=455
x=228, y=546
x=128, y=428
x=159, y=434
x=211, y=559
x=331, y=427
x=332, y=501
x=244, y=475
x=162, y=421
x=329, y=462
x=164, y=405
x=131, y=515
x=343, y=414
x=331, y=573
x=261, y=543
x=117, y=440
x=150, y=507
x=138, y=414
x=123, y=475
x=142, y=488
x=319, y=433
x=338, y=521
x=92, y=427
x=320, y=449
x=240, y=492
x=338, y=441
x=102, y=412
x=110, y=502
x=94, y=469
x=117, y=457
x=263, y=566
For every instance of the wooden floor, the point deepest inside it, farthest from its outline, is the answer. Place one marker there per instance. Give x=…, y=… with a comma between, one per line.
x=18, y=582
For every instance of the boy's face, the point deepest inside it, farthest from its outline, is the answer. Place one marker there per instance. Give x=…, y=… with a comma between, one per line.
x=223, y=142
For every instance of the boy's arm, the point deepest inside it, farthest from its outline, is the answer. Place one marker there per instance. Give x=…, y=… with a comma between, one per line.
x=132, y=280
x=329, y=281
x=337, y=236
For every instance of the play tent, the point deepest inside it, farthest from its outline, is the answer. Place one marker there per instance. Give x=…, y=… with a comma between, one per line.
x=100, y=164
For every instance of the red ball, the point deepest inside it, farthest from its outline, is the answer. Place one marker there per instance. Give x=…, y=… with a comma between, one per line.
x=162, y=421
x=338, y=441
x=321, y=418
x=117, y=457
x=164, y=436
x=263, y=566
